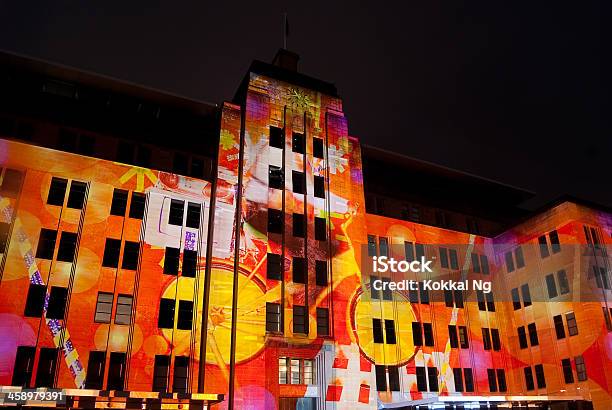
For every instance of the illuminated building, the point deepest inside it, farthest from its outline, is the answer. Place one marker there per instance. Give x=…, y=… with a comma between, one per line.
x=114, y=198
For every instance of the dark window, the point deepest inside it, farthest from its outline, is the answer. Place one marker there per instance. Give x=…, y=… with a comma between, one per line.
x=554, y=242
x=123, y=314
x=299, y=225
x=273, y=317
x=409, y=251
x=190, y=263
x=297, y=142
x=526, y=295
x=274, y=266
x=131, y=252
x=372, y=246
x=383, y=246
x=475, y=263
x=509, y=262
x=67, y=247
x=116, y=371
x=469, y=380
x=559, y=328
x=104, y=307
x=516, y=300
x=322, y=322
x=543, y=246
x=394, y=381
x=520, y=260
x=463, y=338
x=374, y=294
x=381, y=378
x=299, y=182
x=458, y=377
x=319, y=186
x=35, y=300
x=448, y=298
x=453, y=337
x=481, y=300
x=125, y=152
x=432, y=375
x=540, y=379
x=171, y=261
x=317, y=147
x=377, y=331
x=490, y=302
x=529, y=378
x=24, y=363
x=119, y=203
x=522, y=336
x=390, y=332
x=11, y=183
x=161, y=370
x=181, y=374
x=57, y=302
x=111, y=253
x=4, y=231
x=563, y=282
x=424, y=294
x=428, y=333
x=387, y=293
x=492, y=377
x=454, y=261
x=581, y=371
x=275, y=177
x=413, y=296
x=193, y=215
x=533, y=334
x=501, y=380
x=57, y=191
x=175, y=217
x=275, y=221
x=300, y=319
x=320, y=229
x=137, y=206
x=46, y=244
x=95, y=370
x=443, y=257
x=276, y=137
x=417, y=334
x=185, y=315
x=568, y=374
x=421, y=379
x=321, y=273
x=299, y=270
x=572, y=325
x=551, y=286
x=486, y=338
x=76, y=197
x=484, y=264
x=166, y=314
x=45, y=373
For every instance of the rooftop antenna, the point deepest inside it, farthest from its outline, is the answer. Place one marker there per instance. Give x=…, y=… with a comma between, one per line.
x=285, y=30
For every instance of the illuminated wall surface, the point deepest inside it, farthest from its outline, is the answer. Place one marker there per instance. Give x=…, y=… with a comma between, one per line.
x=114, y=298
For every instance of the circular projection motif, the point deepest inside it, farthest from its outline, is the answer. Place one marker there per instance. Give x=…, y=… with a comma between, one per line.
x=363, y=311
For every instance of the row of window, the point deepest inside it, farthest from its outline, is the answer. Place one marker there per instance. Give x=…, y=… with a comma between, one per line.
x=161, y=371
x=276, y=223
x=46, y=245
x=104, y=308
x=184, y=320
x=295, y=371
x=516, y=298
x=276, y=180
x=94, y=378
x=533, y=335
x=601, y=277
x=514, y=259
x=57, y=193
x=120, y=200
x=177, y=211
x=549, y=244
x=298, y=142
x=274, y=319
x=35, y=301
x=299, y=269
x=551, y=284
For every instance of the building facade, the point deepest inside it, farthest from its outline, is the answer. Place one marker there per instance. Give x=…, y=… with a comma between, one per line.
x=232, y=267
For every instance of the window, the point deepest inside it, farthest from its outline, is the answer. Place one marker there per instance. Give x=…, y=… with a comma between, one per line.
x=372, y=247
x=458, y=378
x=509, y=262
x=516, y=300
x=568, y=374
x=67, y=247
x=190, y=263
x=317, y=147
x=95, y=370
x=563, y=282
x=501, y=380
x=469, y=379
x=322, y=322
x=299, y=270
x=453, y=337
x=377, y=331
x=601, y=278
x=275, y=221
x=607, y=318
x=119, y=202
x=572, y=325
x=57, y=302
x=57, y=191
x=543, y=246
x=492, y=377
x=381, y=378
x=4, y=232
x=297, y=142
x=533, y=334
x=111, y=253
x=374, y=293
x=496, y=339
x=490, y=302
x=46, y=244
x=193, y=215
x=526, y=295
x=394, y=381
x=11, y=183
x=484, y=264
x=428, y=334
x=45, y=374
x=481, y=300
x=554, y=241
x=276, y=137
x=580, y=368
x=540, y=379
x=522, y=336
x=383, y=246
x=319, y=186
x=131, y=253
x=137, y=206
x=308, y=366
x=300, y=319
x=559, y=328
x=409, y=251
x=104, y=307
x=551, y=286
x=475, y=263
x=390, y=332
x=123, y=314
x=274, y=266
x=275, y=177
x=321, y=273
x=35, y=300
x=161, y=370
x=171, y=261
x=299, y=182
x=432, y=375
x=76, y=197
x=181, y=374
x=299, y=225
x=421, y=379
x=463, y=337
x=175, y=217
x=320, y=229
x=486, y=338
x=273, y=317
x=185, y=315
x=166, y=314
x=529, y=378
x=518, y=255
x=387, y=293
x=417, y=334
x=448, y=298
x=448, y=258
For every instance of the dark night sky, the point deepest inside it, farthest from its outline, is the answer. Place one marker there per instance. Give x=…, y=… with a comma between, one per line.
x=514, y=91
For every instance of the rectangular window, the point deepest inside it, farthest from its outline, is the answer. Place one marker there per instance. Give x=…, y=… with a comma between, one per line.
x=67, y=247
x=469, y=380
x=543, y=246
x=317, y=147
x=111, y=253
x=57, y=303
x=57, y=191
x=568, y=374
x=475, y=263
x=46, y=244
x=273, y=269
x=484, y=264
x=300, y=319
x=481, y=300
x=458, y=378
x=501, y=380
x=463, y=338
x=452, y=336
x=381, y=378
x=518, y=255
x=76, y=197
x=193, y=215
x=319, y=186
x=308, y=365
x=581, y=371
x=554, y=241
x=95, y=370
x=516, y=300
x=119, y=202
x=383, y=246
x=275, y=177
x=299, y=269
x=320, y=229
x=572, y=325
x=171, y=261
x=540, y=379
x=181, y=374
x=123, y=314
x=496, y=339
x=409, y=251
x=394, y=380
x=492, y=377
x=321, y=273
x=424, y=295
x=533, y=334
x=387, y=293
x=444, y=258
x=377, y=331
x=273, y=317
x=551, y=286
x=104, y=307
x=486, y=338
x=175, y=216
x=11, y=183
x=509, y=262
x=4, y=232
x=428, y=334
x=372, y=247
x=454, y=261
x=322, y=322
x=297, y=142
x=390, y=332
x=417, y=334
x=45, y=374
x=282, y=370
x=432, y=375
x=275, y=221
x=295, y=371
x=161, y=370
x=185, y=315
x=526, y=295
x=137, y=205
x=299, y=182
x=448, y=298
x=490, y=302
x=166, y=314
x=131, y=253
x=190, y=263
x=522, y=337
x=529, y=378
x=563, y=282
x=458, y=298
x=24, y=363
x=299, y=225
x=421, y=378
x=374, y=293
x=419, y=249
x=559, y=328
x=276, y=137
x=35, y=300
